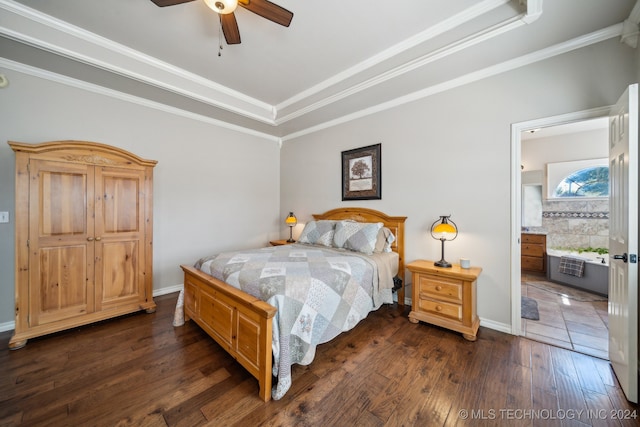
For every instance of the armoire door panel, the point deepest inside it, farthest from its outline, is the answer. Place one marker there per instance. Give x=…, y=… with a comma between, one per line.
x=62, y=197
x=63, y=276
x=121, y=207
x=60, y=192
x=64, y=285
x=118, y=272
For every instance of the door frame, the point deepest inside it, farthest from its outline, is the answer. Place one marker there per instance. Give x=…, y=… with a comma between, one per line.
x=516, y=195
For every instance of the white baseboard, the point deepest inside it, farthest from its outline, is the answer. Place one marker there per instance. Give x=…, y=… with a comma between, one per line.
x=7, y=326
x=167, y=290
x=496, y=326
x=10, y=326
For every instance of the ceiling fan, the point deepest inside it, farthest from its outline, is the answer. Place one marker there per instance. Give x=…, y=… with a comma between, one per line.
x=225, y=9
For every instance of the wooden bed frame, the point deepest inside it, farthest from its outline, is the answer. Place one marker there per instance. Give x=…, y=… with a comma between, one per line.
x=241, y=323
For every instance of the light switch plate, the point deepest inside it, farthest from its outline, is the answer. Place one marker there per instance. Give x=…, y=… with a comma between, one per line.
x=4, y=217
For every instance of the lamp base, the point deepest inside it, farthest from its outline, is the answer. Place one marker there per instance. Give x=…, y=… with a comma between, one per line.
x=442, y=263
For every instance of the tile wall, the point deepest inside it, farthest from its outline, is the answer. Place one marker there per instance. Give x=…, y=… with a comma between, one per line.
x=575, y=223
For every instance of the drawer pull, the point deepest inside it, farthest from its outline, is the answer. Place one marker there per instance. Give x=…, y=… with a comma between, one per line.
x=438, y=308
x=438, y=288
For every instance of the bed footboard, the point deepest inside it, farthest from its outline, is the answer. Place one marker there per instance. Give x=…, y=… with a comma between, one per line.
x=239, y=322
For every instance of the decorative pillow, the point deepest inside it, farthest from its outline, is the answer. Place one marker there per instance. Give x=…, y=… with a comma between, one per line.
x=318, y=233
x=384, y=240
x=357, y=236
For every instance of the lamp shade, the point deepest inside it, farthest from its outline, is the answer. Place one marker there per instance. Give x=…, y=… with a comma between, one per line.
x=291, y=220
x=444, y=229
x=222, y=7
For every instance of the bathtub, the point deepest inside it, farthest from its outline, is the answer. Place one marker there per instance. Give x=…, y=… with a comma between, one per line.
x=596, y=273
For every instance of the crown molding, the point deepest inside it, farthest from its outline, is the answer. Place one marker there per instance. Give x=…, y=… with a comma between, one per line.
x=430, y=33
x=540, y=55
x=496, y=30
x=29, y=26
x=532, y=12
x=101, y=90
x=631, y=31
x=558, y=49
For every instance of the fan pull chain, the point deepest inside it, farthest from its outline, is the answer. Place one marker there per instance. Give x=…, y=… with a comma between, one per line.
x=220, y=40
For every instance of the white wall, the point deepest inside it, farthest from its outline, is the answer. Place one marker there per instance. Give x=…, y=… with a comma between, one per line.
x=536, y=153
x=450, y=154
x=214, y=189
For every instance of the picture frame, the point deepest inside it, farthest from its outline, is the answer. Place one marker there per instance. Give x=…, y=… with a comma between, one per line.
x=361, y=173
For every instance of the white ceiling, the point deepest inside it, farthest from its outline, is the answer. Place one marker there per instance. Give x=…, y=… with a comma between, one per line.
x=338, y=59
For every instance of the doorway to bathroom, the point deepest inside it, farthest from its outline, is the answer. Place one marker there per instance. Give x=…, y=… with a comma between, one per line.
x=558, y=306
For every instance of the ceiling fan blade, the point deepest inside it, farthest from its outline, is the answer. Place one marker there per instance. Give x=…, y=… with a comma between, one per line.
x=230, y=28
x=163, y=3
x=268, y=10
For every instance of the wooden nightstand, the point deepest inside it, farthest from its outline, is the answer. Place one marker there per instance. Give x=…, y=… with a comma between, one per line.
x=445, y=297
x=279, y=242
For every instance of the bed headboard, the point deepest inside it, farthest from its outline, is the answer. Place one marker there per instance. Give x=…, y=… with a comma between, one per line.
x=393, y=223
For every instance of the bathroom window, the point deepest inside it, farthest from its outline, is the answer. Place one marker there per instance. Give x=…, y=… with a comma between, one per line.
x=578, y=179
x=589, y=182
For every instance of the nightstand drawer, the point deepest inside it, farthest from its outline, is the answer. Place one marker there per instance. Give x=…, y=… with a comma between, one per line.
x=532, y=263
x=441, y=288
x=440, y=308
x=532, y=250
x=534, y=238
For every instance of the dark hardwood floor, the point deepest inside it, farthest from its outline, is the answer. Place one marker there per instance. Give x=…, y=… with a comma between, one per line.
x=139, y=370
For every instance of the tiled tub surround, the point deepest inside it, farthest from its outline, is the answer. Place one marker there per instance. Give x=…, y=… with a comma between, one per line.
x=575, y=223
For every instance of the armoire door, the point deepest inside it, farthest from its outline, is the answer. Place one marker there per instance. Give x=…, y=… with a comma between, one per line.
x=119, y=237
x=60, y=244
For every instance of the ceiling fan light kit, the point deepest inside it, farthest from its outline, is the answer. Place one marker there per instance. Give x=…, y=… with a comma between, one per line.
x=222, y=7
x=225, y=9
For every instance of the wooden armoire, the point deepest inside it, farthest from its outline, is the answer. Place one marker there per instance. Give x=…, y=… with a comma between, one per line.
x=83, y=246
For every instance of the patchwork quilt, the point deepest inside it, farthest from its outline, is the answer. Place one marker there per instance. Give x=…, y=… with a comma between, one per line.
x=319, y=292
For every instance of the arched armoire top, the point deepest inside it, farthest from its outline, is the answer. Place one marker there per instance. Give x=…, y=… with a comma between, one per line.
x=83, y=152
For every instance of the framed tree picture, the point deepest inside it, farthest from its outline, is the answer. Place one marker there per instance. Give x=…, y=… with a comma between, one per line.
x=361, y=173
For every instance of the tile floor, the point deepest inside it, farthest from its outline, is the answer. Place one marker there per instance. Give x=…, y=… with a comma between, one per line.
x=567, y=323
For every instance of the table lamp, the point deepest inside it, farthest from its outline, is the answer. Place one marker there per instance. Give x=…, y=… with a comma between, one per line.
x=291, y=221
x=444, y=229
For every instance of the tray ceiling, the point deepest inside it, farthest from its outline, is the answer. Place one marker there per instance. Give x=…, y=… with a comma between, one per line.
x=338, y=59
